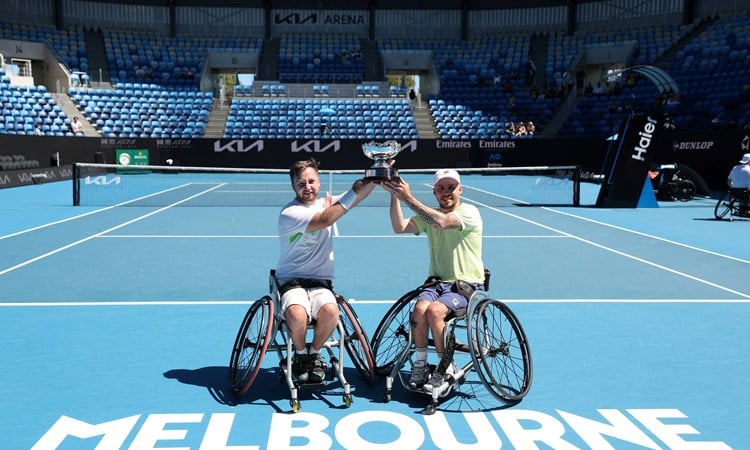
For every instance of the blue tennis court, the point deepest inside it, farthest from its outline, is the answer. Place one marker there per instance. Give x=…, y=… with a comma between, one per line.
x=118, y=322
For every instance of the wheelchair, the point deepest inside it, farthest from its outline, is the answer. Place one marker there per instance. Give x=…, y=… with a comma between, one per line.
x=264, y=330
x=734, y=202
x=671, y=185
x=495, y=343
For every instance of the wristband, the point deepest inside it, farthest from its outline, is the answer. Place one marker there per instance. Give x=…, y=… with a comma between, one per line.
x=348, y=199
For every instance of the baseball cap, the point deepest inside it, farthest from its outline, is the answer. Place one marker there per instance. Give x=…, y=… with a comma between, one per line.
x=745, y=158
x=447, y=173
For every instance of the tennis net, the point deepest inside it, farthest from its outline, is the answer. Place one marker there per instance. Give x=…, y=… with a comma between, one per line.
x=158, y=186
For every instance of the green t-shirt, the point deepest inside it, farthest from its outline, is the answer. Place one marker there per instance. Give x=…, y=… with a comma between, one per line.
x=456, y=253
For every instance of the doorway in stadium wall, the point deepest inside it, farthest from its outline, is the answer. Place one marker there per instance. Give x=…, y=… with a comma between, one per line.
x=406, y=82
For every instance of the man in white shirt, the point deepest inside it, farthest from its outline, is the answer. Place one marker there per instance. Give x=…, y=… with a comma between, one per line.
x=739, y=181
x=305, y=268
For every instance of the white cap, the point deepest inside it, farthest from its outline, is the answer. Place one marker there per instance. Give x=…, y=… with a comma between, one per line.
x=446, y=173
x=745, y=158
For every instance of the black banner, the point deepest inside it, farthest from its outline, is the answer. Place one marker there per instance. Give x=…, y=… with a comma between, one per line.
x=628, y=161
x=710, y=154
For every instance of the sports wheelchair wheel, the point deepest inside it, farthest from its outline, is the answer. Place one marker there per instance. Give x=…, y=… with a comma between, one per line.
x=392, y=334
x=499, y=349
x=355, y=341
x=251, y=344
x=725, y=205
x=682, y=190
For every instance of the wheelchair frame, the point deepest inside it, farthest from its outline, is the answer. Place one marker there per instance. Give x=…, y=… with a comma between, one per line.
x=731, y=203
x=264, y=330
x=495, y=341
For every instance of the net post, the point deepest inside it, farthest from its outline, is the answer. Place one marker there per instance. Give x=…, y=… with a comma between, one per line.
x=76, y=186
x=577, y=186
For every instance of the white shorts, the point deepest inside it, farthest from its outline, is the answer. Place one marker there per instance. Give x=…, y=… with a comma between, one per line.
x=311, y=299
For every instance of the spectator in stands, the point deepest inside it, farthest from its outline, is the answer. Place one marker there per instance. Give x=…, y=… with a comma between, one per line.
x=38, y=129
x=534, y=93
x=531, y=128
x=510, y=128
x=530, y=71
x=521, y=130
x=76, y=126
x=412, y=94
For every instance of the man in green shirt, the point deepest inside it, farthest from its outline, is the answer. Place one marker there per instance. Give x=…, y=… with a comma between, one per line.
x=454, y=234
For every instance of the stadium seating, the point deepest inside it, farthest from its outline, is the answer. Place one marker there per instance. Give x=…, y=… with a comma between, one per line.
x=320, y=58
x=23, y=107
x=320, y=118
x=145, y=110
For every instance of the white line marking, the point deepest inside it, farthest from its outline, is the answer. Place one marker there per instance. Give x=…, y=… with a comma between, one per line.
x=270, y=236
x=80, y=241
x=358, y=302
x=648, y=235
x=618, y=252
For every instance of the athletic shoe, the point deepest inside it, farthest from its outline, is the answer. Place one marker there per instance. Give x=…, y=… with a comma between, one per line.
x=437, y=379
x=301, y=368
x=317, y=369
x=419, y=373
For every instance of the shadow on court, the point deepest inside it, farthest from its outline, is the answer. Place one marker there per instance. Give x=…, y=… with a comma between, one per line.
x=269, y=389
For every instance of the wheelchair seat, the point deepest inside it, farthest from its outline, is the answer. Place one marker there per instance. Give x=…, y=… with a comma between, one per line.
x=735, y=203
x=264, y=330
x=495, y=345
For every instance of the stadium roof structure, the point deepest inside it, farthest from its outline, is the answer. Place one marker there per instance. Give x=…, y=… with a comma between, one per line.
x=358, y=4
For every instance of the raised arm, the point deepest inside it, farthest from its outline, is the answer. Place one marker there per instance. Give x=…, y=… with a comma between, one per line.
x=401, y=191
x=333, y=212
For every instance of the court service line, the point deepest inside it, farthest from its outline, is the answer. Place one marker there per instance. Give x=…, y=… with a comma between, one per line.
x=106, y=208
x=272, y=236
x=86, y=239
x=57, y=222
x=362, y=302
x=618, y=252
x=669, y=241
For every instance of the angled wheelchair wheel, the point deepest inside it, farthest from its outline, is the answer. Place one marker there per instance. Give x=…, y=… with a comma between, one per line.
x=251, y=344
x=684, y=190
x=391, y=337
x=724, y=206
x=355, y=341
x=499, y=349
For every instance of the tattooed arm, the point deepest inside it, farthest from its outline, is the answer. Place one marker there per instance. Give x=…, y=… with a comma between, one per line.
x=400, y=191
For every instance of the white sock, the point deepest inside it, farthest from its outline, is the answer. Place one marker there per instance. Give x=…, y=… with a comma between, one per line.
x=421, y=353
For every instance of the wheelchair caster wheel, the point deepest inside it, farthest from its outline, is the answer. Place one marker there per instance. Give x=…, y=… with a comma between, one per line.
x=387, y=397
x=295, y=405
x=430, y=409
x=347, y=400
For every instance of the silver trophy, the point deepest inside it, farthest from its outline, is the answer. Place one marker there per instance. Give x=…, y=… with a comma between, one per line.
x=382, y=154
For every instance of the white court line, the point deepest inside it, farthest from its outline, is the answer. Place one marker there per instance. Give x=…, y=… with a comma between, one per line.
x=106, y=208
x=80, y=241
x=358, y=302
x=617, y=252
x=270, y=236
x=649, y=236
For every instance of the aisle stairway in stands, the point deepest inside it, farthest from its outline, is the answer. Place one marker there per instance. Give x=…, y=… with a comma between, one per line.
x=70, y=110
x=97, y=54
x=217, y=120
x=423, y=118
